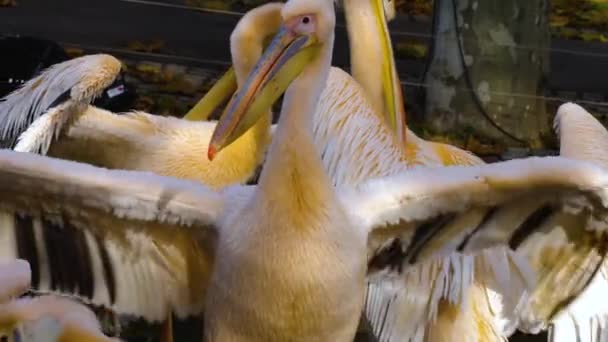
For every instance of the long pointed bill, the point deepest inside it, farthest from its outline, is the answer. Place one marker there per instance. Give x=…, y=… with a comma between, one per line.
x=220, y=92
x=222, y=89
x=281, y=63
x=391, y=85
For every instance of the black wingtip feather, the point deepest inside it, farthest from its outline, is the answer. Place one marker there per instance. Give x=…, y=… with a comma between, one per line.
x=26, y=245
x=530, y=225
x=68, y=256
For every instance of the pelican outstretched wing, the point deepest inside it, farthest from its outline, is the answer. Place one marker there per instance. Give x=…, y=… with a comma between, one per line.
x=132, y=241
x=584, y=316
x=46, y=105
x=419, y=214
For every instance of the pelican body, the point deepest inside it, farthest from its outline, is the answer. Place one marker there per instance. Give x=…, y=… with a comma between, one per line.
x=294, y=194
x=295, y=219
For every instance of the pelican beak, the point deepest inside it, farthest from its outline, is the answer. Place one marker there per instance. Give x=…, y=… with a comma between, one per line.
x=221, y=90
x=281, y=63
x=391, y=85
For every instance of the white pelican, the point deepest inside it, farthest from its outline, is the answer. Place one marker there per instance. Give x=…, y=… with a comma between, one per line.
x=424, y=306
x=490, y=312
x=453, y=300
x=535, y=218
x=292, y=252
x=46, y=318
x=337, y=160
x=524, y=223
x=58, y=105
x=57, y=108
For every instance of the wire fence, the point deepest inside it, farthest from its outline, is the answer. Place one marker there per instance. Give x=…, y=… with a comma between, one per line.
x=394, y=31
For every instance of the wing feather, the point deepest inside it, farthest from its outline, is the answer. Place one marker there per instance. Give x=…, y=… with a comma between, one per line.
x=586, y=318
x=573, y=285
x=421, y=195
x=34, y=115
x=135, y=242
x=419, y=214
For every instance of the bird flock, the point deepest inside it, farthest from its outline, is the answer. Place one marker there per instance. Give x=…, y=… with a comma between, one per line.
x=354, y=225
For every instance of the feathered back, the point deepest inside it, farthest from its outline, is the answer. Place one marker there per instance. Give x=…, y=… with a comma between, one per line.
x=349, y=135
x=68, y=86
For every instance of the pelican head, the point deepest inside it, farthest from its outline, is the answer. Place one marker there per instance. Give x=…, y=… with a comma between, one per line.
x=248, y=38
x=307, y=26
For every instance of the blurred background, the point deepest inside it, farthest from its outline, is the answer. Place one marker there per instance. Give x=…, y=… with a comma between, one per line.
x=493, y=90
x=486, y=75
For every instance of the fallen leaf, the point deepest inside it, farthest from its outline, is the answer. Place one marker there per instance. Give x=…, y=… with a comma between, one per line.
x=74, y=52
x=593, y=36
x=559, y=20
x=179, y=85
x=479, y=148
x=411, y=49
x=155, y=45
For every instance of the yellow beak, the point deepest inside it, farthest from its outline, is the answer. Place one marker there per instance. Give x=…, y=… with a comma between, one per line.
x=221, y=90
x=281, y=63
x=218, y=94
x=391, y=85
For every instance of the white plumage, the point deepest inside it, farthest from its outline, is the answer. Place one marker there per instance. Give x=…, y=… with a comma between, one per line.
x=154, y=204
x=583, y=137
x=336, y=160
x=127, y=200
x=58, y=96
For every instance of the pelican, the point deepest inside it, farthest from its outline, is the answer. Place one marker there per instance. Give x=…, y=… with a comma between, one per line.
x=488, y=310
x=61, y=122
x=139, y=141
x=43, y=318
x=135, y=141
x=423, y=307
x=537, y=212
x=285, y=259
x=101, y=135
x=334, y=160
